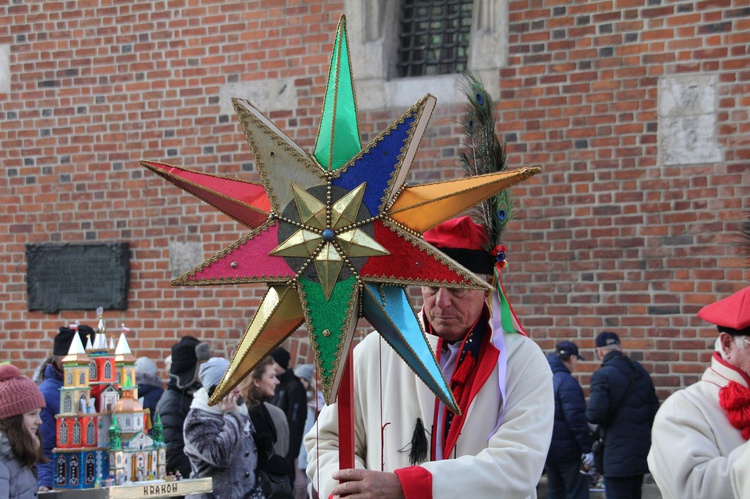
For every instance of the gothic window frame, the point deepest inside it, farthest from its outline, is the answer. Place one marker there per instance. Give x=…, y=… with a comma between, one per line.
x=61, y=467
x=91, y=432
x=89, y=475
x=372, y=27
x=92, y=370
x=77, y=432
x=433, y=38
x=63, y=432
x=74, y=472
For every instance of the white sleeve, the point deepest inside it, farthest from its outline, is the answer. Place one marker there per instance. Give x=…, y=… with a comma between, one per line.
x=685, y=459
x=322, y=444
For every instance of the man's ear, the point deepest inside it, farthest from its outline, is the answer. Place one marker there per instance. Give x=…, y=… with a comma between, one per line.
x=727, y=343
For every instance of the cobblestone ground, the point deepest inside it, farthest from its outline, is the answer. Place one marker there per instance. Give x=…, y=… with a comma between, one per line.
x=650, y=490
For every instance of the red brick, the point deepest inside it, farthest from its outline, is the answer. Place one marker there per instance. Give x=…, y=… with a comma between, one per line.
x=594, y=239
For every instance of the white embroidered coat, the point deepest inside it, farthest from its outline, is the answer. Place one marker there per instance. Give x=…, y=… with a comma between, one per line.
x=507, y=465
x=695, y=451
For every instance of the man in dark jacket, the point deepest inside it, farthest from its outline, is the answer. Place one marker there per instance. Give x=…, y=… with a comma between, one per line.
x=50, y=388
x=571, y=441
x=623, y=403
x=290, y=397
x=174, y=404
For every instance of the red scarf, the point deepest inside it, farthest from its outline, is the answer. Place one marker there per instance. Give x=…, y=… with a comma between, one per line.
x=475, y=364
x=735, y=399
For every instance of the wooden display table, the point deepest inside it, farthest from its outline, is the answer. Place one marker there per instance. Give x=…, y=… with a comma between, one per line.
x=155, y=488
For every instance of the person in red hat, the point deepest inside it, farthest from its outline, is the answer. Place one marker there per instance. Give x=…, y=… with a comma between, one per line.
x=700, y=436
x=20, y=439
x=407, y=442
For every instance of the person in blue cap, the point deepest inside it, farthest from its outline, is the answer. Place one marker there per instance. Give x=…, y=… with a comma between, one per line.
x=622, y=401
x=571, y=440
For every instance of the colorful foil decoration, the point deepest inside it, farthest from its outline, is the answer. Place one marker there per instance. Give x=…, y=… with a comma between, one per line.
x=336, y=235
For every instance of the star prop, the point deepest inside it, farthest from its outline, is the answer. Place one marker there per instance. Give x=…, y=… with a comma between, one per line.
x=336, y=235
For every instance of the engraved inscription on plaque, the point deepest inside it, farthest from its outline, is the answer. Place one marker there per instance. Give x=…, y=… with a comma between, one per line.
x=77, y=276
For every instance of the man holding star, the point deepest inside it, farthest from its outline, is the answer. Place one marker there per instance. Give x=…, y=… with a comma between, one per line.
x=336, y=234
x=407, y=443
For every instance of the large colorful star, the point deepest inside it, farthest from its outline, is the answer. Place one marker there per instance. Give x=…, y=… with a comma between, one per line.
x=336, y=235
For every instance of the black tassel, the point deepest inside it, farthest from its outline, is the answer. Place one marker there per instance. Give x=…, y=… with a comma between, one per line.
x=418, y=451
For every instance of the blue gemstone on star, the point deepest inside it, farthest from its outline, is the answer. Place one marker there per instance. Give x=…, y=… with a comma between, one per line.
x=328, y=235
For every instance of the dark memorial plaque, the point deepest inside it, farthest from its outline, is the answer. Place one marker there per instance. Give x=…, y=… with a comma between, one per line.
x=77, y=276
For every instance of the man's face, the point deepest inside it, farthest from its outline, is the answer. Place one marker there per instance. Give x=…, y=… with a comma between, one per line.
x=737, y=351
x=451, y=312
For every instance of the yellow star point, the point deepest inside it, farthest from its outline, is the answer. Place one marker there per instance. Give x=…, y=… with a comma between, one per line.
x=302, y=243
x=344, y=211
x=312, y=211
x=356, y=242
x=328, y=264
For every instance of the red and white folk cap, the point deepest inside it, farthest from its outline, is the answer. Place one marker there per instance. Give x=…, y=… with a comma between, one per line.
x=731, y=314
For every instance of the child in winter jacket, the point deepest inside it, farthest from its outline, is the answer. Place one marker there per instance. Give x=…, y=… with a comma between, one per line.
x=20, y=441
x=219, y=439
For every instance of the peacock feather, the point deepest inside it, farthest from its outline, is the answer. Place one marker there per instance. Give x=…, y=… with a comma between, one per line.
x=484, y=153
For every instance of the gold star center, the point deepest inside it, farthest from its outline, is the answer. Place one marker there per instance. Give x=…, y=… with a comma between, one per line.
x=329, y=234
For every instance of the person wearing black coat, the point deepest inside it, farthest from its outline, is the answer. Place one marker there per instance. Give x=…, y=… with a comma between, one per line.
x=174, y=403
x=571, y=441
x=623, y=403
x=290, y=397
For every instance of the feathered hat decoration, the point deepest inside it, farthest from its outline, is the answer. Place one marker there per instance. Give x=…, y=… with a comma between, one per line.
x=483, y=153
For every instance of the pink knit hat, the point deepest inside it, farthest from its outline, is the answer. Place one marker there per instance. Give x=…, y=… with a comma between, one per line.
x=18, y=394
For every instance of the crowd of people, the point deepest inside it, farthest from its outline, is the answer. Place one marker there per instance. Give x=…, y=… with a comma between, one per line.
x=521, y=415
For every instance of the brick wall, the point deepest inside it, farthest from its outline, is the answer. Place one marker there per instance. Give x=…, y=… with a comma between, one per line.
x=622, y=231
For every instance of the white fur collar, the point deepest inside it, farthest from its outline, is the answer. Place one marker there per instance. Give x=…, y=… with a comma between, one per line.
x=200, y=401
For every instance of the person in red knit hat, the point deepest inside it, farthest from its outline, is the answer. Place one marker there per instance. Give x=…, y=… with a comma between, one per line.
x=699, y=444
x=20, y=441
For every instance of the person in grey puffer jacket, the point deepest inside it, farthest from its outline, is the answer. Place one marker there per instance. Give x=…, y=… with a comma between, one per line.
x=20, y=445
x=219, y=439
